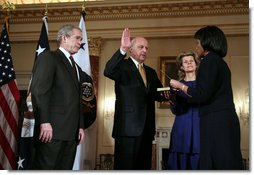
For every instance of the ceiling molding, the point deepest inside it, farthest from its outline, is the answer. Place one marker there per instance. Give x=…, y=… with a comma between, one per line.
x=59, y=12
x=162, y=32
x=148, y=18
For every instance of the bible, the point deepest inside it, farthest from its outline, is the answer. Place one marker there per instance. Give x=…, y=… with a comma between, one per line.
x=163, y=89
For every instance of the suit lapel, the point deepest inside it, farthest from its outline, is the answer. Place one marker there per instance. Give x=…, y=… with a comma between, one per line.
x=68, y=66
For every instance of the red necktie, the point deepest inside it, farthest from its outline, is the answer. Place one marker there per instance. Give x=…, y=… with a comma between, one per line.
x=73, y=66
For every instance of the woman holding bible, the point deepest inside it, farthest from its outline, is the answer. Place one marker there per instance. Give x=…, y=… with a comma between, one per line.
x=219, y=124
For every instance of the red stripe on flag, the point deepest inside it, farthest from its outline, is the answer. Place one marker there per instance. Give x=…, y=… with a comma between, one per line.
x=14, y=90
x=9, y=153
x=9, y=115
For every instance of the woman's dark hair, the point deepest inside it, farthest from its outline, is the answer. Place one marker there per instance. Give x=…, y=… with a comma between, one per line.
x=212, y=39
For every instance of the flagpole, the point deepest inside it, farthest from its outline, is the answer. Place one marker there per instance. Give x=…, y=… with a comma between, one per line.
x=7, y=7
x=46, y=10
x=83, y=11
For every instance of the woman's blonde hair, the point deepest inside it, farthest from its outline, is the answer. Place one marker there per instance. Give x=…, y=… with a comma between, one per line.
x=179, y=63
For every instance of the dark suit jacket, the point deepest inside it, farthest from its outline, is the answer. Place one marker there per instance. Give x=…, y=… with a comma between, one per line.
x=219, y=123
x=135, y=104
x=214, y=90
x=56, y=95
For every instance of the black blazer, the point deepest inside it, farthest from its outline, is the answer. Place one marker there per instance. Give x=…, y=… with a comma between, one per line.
x=213, y=91
x=56, y=95
x=135, y=104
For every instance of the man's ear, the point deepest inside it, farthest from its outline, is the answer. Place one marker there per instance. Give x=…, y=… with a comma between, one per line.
x=130, y=50
x=64, y=38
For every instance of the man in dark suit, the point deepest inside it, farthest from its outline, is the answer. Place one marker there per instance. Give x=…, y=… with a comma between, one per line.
x=134, y=120
x=56, y=98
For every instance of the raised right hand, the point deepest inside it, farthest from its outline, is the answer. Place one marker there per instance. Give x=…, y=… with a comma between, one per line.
x=126, y=40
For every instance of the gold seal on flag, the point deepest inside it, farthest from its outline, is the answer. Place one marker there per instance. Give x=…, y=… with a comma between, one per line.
x=87, y=91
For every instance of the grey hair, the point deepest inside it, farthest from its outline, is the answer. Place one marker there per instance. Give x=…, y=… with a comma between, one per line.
x=65, y=30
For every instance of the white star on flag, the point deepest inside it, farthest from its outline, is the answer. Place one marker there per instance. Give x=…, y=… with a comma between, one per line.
x=20, y=162
x=40, y=50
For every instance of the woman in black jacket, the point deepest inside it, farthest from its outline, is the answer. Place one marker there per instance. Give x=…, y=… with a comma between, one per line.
x=219, y=124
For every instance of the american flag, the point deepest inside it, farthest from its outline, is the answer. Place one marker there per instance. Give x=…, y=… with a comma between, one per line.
x=9, y=102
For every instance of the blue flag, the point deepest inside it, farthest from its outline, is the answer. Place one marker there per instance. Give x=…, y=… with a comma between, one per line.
x=26, y=141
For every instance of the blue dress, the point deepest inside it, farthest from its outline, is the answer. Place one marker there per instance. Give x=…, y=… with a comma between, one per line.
x=184, y=143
